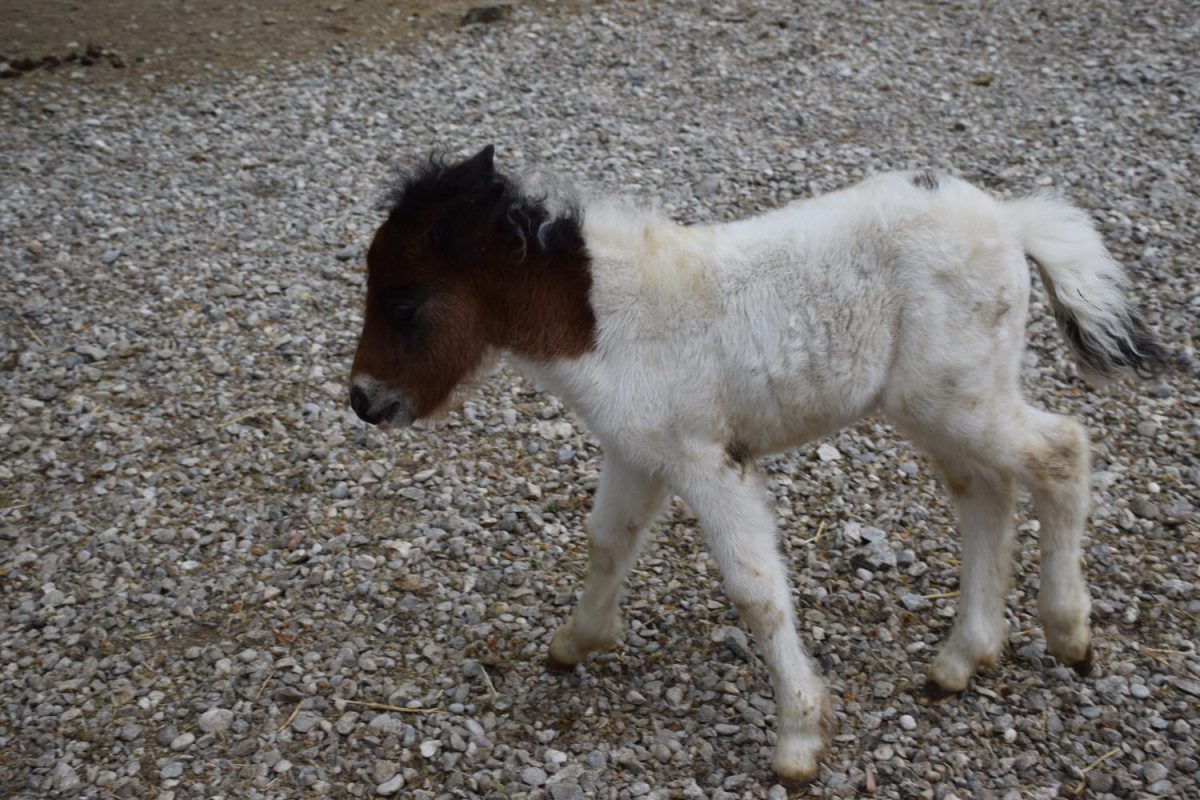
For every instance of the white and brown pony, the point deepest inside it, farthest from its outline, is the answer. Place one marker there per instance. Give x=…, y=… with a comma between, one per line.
x=689, y=351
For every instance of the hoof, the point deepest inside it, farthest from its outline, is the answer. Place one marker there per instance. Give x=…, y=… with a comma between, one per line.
x=795, y=780
x=568, y=648
x=798, y=761
x=1083, y=667
x=952, y=670
x=564, y=654
x=936, y=693
x=558, y=667
x=1075, y=652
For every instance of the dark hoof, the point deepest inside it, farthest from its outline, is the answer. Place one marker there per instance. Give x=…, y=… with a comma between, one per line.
x=1083, y=668
x=558, y=667
x=793, y=782
x=936, y=693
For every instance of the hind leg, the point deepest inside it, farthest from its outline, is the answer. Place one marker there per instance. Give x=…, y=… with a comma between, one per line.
x=984, y=499
x=980, y=449
x=1054, y=465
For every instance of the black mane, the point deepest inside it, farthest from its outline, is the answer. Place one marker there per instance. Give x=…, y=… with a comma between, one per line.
x=432, y=180
x=472, y=200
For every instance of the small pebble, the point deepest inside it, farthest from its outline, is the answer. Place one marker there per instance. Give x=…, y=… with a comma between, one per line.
x=390, y=786
x=533, y=776
x=183, y=741
x=215, y=720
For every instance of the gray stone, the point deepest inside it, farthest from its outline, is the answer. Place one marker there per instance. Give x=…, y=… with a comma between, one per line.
x=708, y=186
x=305, y=721
x=1144, y=508
x=737, y=643
x=877, y=555
x=534, y=776
x=383, y=771
x=346, y=723
x=63, y=778
x=183, y=741
x=215, y=720
x=390, y=786
x=595, y=760
x=1153, y=771
x=566, y=791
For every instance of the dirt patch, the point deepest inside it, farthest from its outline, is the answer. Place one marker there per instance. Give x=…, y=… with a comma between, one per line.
x=89, y=41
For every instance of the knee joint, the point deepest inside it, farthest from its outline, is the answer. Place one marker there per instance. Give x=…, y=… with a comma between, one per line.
x=1061, y=457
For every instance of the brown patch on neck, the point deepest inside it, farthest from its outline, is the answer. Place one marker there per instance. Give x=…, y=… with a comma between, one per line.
x=540, y=307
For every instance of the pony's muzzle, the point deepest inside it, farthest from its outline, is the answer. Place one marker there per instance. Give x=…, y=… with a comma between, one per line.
x=388, y=411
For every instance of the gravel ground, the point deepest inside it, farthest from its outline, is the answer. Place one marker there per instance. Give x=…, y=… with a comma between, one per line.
x=218, y=583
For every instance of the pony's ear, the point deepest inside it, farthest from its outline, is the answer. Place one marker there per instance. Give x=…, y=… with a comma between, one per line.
x=486, y=157
x=471, y=174
x=481, y=166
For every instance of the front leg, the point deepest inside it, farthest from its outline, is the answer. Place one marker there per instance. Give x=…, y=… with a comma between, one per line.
x=627, y=500
x=732, y=508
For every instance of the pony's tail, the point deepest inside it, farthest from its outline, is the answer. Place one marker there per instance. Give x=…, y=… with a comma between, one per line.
x=1087, y=290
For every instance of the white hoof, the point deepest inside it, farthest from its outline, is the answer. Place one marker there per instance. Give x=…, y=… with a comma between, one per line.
x=1065, y=623
x=949, y=674
x=568, y=647
x=797, y=758
x=962, y=655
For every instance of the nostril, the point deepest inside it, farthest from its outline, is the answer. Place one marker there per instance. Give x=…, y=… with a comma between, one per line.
x=359, y=402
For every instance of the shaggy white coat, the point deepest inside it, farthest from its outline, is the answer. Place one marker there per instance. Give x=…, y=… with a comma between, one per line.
x=717, y=343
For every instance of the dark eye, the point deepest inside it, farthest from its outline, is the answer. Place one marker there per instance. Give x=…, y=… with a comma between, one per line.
x=402, y=313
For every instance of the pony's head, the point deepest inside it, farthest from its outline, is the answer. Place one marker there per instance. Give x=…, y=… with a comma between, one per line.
x=464, y=264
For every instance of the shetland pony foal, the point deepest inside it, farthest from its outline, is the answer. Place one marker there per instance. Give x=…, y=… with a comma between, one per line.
x=689, y=351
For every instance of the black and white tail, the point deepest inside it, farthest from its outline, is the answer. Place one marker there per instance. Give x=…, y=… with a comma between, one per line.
x=1087, y=289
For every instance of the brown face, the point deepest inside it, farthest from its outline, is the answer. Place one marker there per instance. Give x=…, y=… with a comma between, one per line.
x=421, y=335
x=424, y=330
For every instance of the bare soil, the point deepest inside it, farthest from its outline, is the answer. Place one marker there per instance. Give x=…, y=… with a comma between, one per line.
x=181, y=40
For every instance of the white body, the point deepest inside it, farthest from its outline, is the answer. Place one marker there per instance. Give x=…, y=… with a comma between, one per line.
x=722, y=342
x=778, y=329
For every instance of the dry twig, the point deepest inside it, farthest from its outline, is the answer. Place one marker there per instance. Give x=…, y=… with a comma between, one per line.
x=385, y=707
x=1078, y=788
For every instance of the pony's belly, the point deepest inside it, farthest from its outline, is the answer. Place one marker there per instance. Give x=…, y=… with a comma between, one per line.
x=785, y=411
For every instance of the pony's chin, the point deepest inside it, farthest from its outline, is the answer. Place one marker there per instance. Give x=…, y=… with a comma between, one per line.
x=491, y=364
x=433, y=422
x=396, y=423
